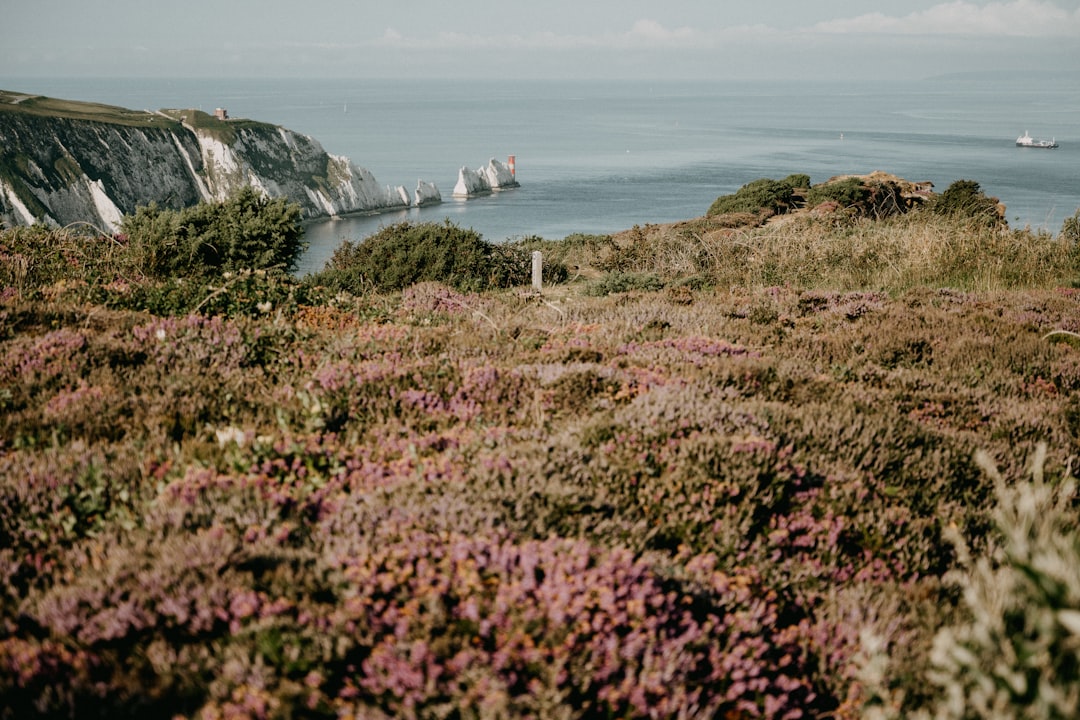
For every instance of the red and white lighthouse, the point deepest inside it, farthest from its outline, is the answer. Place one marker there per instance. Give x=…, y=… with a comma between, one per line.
x=510, y=164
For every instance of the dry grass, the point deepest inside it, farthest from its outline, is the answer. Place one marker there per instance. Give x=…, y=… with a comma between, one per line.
x=822, y=252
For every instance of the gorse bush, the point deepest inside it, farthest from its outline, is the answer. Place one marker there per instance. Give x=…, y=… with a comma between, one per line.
x=964, y=200
x=166, y=262
x=619, y=282
x=558, y=255
x=246, y=232
x=877, y=195
x=59, y=265
x=761, y=197
x=407, y=253
x=850, y=192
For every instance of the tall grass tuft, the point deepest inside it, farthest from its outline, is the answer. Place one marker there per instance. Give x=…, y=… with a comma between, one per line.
x=1015, y=650
x=823, y=252
x=1018, y=654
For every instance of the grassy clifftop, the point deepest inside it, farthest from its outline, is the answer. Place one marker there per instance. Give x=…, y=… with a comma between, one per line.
x=43, y=106
x=224, y=130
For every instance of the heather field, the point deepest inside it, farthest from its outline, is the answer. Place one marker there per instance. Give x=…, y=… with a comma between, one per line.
x=810, y=469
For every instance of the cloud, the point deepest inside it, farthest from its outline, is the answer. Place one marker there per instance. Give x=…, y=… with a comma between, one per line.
x=651, y=32
x=1018, y=18
x=643, y=33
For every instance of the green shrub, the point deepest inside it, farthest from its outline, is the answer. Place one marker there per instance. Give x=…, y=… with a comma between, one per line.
x=248, y=293
x=797, y=181
x=39, y=263
x=965, y=200
x=407, y=253
x=845, y=193
x=619, y=282
x=576, y=250
x=763, y=196
x=246, y=232
x=873, y=197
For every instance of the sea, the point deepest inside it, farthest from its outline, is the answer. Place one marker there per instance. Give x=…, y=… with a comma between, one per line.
x=598, y=157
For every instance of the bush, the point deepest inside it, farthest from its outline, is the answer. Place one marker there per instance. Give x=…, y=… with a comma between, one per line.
x=797, y=181
x=965, y=200
x=559, y=255
x=407, y=253
x=761, y=197
x=862, y=196
x=846, y=193
x=246, y=232
x=250, y=293
x=620, y=282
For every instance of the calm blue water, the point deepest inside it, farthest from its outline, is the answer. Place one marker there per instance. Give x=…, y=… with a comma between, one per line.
x=599, y=157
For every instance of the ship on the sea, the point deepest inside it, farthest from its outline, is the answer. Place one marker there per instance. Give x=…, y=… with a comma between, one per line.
x=1027, y=141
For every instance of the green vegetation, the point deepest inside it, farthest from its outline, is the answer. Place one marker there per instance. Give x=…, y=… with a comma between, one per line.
x=620, y=282
x=246, y=232
x=761, y=197
x=820, y=467
x=849, y=192
x=229, y=258
x=965, y=200
x=402, y=255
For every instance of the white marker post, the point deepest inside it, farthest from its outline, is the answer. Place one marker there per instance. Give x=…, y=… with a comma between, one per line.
x=537, y=270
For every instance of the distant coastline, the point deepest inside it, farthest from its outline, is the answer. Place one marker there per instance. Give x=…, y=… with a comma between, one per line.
x=649, y=151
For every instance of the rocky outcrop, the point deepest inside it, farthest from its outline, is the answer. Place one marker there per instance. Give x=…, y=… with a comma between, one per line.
x=495, y=176
x=63, y=162
x=884, y=193
x=426, y=194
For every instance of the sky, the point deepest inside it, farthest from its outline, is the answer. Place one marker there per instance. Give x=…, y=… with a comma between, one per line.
x=559, y=39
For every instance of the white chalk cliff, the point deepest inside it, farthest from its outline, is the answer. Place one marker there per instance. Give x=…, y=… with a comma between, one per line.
x=426, y=194
x=495, y=176
x=63, y=168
